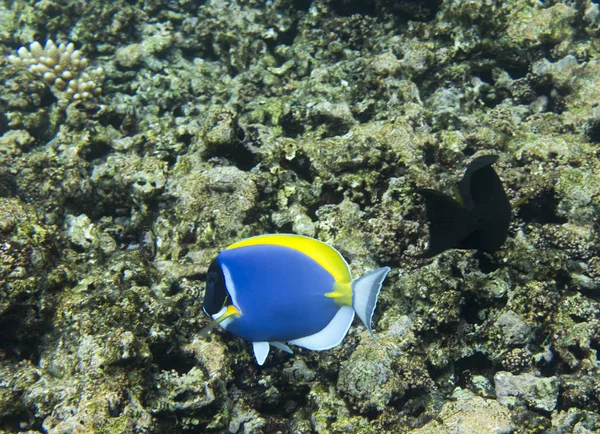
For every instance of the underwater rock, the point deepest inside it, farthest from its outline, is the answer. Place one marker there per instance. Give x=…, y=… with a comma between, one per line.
x=26, y=273
x=83, y=233
x=212, y=206
x=129, y=56
x=533, y=24
x=246, y=421
x=514, y=329
x=338, y=117
x=129, y=175
x=219, y=135
x=378, y=372
x=576, y=421
x=469, y=413
x=14, y=142
x=482, y=386
x=182, y=392
x=577, y=191
x=369, y=377
x=540, y=393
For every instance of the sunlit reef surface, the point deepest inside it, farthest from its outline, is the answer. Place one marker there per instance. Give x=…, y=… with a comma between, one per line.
x=218, y=120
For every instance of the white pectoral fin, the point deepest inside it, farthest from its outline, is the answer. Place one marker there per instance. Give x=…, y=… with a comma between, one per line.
x=261, y=351
x=364, y=295
x=282, y=347
x=331, y=335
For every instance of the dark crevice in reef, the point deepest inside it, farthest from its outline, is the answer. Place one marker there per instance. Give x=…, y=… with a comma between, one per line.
x=301, y=165
x=302, y=5
x=14, y=421
x=593, y=130
x=97, y=150
x=414, y=404
x=284, y=38
x=293, y=122
x=243, y=158
x=330, y=195
x=562, y=279
x=416, y=10
x=22, y=330
x=476, y=364
x=18, y=348
x=541, y=209
x=3, y=122
x=473, y=305
x=168, y=358
x=8, y=184
x=429, y=154
x=347, y=8
x=595, y=346
x=487, y=263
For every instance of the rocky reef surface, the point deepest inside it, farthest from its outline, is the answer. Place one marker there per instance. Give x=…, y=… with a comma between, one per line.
x=219, y=120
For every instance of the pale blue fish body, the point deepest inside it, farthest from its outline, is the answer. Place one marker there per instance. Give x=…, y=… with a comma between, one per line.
x=273, y=289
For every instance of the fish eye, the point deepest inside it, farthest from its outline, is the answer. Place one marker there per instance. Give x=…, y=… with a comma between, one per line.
x=216, y=294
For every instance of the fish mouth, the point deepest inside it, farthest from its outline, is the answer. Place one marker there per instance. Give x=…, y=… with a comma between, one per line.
x=222, y=318
x=230, y=310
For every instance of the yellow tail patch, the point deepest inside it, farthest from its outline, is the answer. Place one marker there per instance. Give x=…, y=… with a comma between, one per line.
x=342, y=293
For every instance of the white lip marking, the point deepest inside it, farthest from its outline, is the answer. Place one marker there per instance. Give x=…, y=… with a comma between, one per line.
x=220, y=313
x=226, y=321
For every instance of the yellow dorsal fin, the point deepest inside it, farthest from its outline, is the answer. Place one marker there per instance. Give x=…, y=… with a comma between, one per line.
x=325, y=255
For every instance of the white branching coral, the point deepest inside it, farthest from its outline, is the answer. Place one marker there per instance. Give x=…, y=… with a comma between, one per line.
x=62, y=67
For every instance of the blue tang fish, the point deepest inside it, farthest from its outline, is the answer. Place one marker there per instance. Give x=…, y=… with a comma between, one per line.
x=272, y=289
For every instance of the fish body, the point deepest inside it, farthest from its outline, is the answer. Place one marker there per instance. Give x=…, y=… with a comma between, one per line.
x=288, y=288
x=478, y=219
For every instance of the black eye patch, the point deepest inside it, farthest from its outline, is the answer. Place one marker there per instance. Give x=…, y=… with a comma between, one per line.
x=216, y=294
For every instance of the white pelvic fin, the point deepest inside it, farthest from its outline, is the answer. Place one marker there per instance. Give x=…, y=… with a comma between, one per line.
x=332, y=334
x=261, y=351
x=282, y=347
x=364, y=295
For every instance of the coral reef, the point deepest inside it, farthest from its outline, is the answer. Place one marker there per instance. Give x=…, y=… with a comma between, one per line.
x=219, y=120
x=62, y=68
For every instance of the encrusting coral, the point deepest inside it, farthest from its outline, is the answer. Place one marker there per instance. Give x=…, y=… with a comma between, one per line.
x=62, y=67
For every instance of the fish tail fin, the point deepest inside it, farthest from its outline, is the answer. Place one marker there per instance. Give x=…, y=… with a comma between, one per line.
x=365, y=291
x=449, y=222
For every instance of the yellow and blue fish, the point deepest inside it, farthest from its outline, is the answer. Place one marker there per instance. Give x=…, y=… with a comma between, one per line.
x=273, y=289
